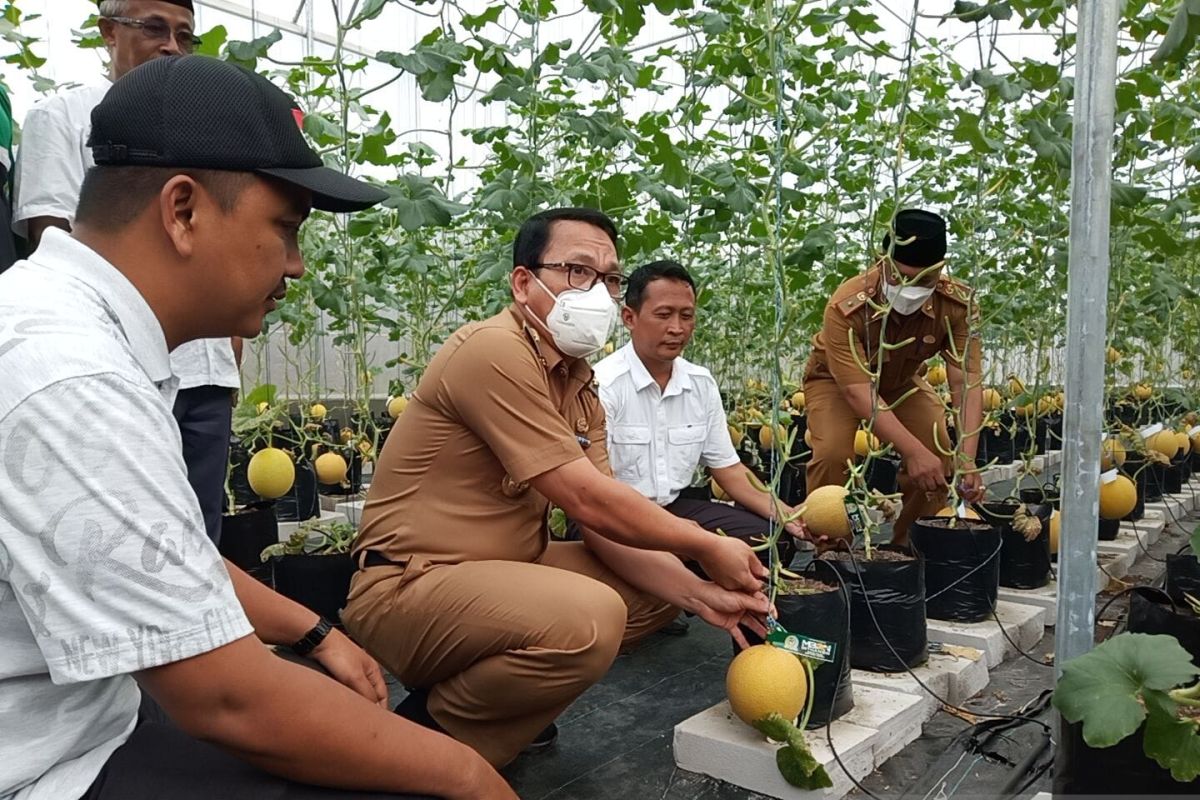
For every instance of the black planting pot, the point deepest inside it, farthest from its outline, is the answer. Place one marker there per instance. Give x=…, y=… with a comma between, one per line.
x=1195, y=462
x=1041, y=432
x=246, y=533
x=793, y=484
x=995, y=444
x=887, y=607
x=1048, y=494
x=800, y=451
x=823, y=616
x=1054, y=429
x=1183, y=576
x=1133, y=469
x=1172, y=478
x=1021, y=439
x=1152, y=611
x=883, y=475
x=1123, y=769
x=1184, y=463
x=1108, y=530
x=962, y=567
x=1023, y=564
x=239, y=484
x=301, y=502
x=1156, y=480
x=319, y=583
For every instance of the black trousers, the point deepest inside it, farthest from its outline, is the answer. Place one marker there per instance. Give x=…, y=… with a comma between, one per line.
x=161, y=762
x=8, y=244
x=735, y=521
x=205, y=417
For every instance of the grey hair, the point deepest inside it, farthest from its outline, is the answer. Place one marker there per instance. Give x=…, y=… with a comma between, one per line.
x=114, y=8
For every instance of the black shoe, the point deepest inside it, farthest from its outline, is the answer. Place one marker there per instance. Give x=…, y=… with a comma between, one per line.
x=547, y=737
x=415, y=708
x=676, y=627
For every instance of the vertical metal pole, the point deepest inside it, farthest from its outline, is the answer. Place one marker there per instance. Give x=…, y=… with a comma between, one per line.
x=1087, y=296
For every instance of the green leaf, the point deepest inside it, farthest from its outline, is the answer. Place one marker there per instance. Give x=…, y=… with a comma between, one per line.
x=1194, y=541
x=1171, y=741
x=371, y=9
x=475, y=22
x=967, y=130
x=1104, y=689
x=1181, y=35
x=1125, y=195
x=212, y=41
x=246, y=54
x=419, y=203
x=263, y=393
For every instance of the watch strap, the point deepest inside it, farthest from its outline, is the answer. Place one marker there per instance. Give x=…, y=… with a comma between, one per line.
x=313, y=638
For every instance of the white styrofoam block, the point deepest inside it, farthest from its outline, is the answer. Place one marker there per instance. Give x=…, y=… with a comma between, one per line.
x=352, y=511
x=1115, y=565
x=1171, y=508
x=1148, y=528
x=286, y=529
x=715, y=742
x=1053, y=457
x=953, y=678
x=1045, y=597
x=1123, y=545
x=1025, y=625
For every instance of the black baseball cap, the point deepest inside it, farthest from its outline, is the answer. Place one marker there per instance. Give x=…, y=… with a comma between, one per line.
x=185, y=3
x=927, y=232
x=203, y=113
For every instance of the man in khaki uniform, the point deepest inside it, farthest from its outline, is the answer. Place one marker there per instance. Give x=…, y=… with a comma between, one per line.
x=906, y=295
x=459, y=592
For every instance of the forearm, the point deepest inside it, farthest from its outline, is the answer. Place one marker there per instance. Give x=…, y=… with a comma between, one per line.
x=276, y=619
x=887, y=425
x=296, y=723
x=659, y=574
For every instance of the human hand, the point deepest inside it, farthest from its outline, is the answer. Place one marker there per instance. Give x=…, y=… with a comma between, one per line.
x=349, y=665
x=971, y=488
x=926, y=470
x=728, y=610
x=731, y=563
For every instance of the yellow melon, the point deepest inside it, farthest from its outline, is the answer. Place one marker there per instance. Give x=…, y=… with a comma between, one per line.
x=808, y=438
x=1164, y=442
x=271, y=473
x=330, y=467
x=1113, y=355
x=396, y=406
x=1185, y=444
x=936, y=375
x=824, y=512
x=798, y=401
x=1117, y=498
x=1143, y=391
x=1112, y=454
x=736, y=435
x=764, y=680
x=1015, y=387
x=864, y=443
x=716, y=489
x=992, y=400
x=769, y=435
x=1055, y=531
x=950, y=512
x=318, y=411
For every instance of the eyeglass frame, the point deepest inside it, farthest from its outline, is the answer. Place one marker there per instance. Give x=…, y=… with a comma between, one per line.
x=568, y=266
x=165, y=31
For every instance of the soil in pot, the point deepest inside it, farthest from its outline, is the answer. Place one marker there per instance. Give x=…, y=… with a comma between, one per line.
x=319, y=583
x=818, y=610
x=887, y=607
x=962, y=567
x=246, y=533
x=1023, y=564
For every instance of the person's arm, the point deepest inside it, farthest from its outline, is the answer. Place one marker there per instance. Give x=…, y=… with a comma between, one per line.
x=39, y=225
x=925, y=467
x=619, y=513
x=736, y=482
x=296, y=723
x=49, y=172
x=237, y=344
x=664, y=576
x=281, y=621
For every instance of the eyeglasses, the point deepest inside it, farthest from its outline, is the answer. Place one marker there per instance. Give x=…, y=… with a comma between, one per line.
x=581, y=276
x=159, y=31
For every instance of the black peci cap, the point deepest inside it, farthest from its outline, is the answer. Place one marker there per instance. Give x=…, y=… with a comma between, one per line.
x=184, y=3
x=202, y=113
x=928, y=234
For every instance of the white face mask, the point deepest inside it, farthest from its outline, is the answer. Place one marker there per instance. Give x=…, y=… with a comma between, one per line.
x=906, y=299
x=580, y=321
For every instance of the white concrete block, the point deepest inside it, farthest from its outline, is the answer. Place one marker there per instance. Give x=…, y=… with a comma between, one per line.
x=286, y=529
x=330, y=502
x=1125, y=545
x=352, y=510
x=1053, y=458
x=1000, y=473
x=1025, y=625
x=716, y=743
x=1045, y=597
x=1171, y=508
x=1115, y=565
x=953, y=678
x=1149, y=528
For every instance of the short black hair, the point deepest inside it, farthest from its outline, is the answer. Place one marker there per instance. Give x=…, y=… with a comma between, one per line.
x=535, y=232
x=113, y=197
x=643, y=276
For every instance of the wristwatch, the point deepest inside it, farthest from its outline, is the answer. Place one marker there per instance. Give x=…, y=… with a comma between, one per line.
x=313, y=638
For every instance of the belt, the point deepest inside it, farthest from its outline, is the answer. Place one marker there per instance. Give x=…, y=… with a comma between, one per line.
x=374, y=558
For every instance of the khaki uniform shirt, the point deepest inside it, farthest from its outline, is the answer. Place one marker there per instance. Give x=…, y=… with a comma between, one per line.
x=496, y=407
x=948, y=323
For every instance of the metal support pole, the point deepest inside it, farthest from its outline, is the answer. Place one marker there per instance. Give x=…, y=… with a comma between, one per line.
x=1087, y=296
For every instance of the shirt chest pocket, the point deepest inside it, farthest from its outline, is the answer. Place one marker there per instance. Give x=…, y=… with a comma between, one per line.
x=629, y=451
x=686, y=444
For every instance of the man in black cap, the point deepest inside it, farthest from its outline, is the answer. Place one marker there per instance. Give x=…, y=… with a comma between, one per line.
x=187, y=227
x=906, y=301
x=49, y=173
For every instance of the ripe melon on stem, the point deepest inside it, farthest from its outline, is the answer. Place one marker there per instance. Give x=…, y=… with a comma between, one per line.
x=824, y=512
x=1112, y=454
x=1117, y=497
x=271, y=473
x=1164, y=442
x=764, y=680
x=864, y=443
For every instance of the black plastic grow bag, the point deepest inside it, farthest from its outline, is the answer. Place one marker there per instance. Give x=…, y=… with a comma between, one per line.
x=319, y=583
x=245, y=534
x=962, y=567
x=1152, y=611
x=1023, y=564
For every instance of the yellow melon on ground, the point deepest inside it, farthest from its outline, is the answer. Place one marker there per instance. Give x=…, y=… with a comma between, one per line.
x=1055, y=531
x=330, y=467
x=824, y=512
x=318, y=411
x=768, y=435
x=798, y=401
x=864, y=443
x=1112, y=454
x=1117, y=498
x=936, y=375
x=992, y=400
x=764, y=680
x=271, y=473
x=1164, y=442
x=951, y=512
x=396, y=406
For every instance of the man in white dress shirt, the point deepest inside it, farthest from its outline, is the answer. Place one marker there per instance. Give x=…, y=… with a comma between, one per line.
x=665, y=416
x=51, y=164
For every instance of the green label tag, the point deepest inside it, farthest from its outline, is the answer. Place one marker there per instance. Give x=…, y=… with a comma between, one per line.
x=814, y=649
x=855, y=514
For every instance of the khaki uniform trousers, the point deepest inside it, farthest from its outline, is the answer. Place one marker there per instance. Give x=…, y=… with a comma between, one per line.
x=503, y=646
x=832, y=424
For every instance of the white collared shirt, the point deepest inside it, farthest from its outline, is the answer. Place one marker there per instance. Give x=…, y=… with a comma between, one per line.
x=51, y=164
x=657, y=438
x=105, y=567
